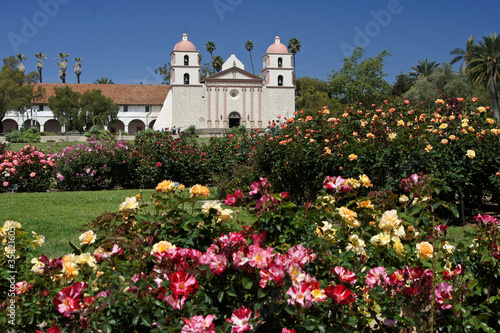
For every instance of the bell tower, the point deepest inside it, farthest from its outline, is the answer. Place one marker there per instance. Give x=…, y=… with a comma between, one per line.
x=185, y=63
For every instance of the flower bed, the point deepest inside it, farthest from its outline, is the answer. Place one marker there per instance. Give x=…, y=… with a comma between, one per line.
x=355, y=259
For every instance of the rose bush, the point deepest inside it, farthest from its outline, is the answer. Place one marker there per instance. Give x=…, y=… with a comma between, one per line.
x=355, y=259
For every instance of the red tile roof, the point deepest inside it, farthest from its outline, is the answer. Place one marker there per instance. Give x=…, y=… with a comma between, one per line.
x=122, y=94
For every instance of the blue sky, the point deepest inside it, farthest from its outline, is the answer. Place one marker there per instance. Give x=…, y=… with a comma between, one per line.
x=126, y=40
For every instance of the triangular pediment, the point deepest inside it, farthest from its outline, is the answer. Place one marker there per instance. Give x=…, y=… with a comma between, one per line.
x=233, y=74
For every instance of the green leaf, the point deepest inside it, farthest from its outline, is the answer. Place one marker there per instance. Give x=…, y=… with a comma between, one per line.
x=247, y=284
x=220, y=296
x=485, y=257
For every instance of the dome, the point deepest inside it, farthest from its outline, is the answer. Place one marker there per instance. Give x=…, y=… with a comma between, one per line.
x=184, y=44
x=277, y=47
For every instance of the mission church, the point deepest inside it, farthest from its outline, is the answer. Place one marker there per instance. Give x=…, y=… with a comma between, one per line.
x=229, y=98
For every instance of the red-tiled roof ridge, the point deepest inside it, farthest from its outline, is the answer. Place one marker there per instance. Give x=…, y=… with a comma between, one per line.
x=122, y=94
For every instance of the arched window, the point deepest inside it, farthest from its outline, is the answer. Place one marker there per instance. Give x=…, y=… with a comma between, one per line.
x=280, y=62
x=280, y=80
x=186, y=78
x=186, y=60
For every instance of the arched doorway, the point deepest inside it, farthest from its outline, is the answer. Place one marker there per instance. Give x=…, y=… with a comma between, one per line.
x=116, y=126
x=52, y=126
x=9, y=125
x=135, y=126
x=234, y=119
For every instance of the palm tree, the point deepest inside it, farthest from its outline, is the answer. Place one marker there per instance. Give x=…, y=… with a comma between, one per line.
x=63, y=65
x=483, y=66
x=217, y=63
x=104, y=80
x=39, y=64
x=424, y=68
x=294, y=46
x=459, y=54
x=20, y=64
x=210, y=46
x=78, y=68
x=249, y=47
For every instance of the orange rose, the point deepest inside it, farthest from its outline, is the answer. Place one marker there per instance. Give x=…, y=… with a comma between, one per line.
x=425, y=250
x=198, y=191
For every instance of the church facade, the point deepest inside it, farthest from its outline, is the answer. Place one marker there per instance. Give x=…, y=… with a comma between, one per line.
x=231, y=97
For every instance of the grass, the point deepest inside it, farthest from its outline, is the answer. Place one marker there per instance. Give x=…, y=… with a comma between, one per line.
x=60, y=216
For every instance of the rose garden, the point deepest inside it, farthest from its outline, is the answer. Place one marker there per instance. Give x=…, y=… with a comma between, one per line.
x=325, y=223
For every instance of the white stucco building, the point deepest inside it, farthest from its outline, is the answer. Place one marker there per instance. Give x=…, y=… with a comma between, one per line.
x=230, y=98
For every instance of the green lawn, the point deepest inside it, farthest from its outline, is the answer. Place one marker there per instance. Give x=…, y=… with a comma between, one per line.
x=60, y=216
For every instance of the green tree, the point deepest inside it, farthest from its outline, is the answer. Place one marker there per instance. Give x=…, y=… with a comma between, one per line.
x=78, y=68
x=96, y=109
x=210, y=47
x=313, y=93
x=360, y=80
x=249, y=48
x=217, y=63
x=483, y=66
x=164, y=72
x=206, y=70
x=403, y=83
x=424, y=68
x=63, y=65
x=105, y=80
x=16, y=90
x=39, y=64
x=66, y=107
x=442, y=81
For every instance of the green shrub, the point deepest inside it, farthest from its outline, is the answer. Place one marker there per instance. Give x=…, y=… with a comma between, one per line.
x=30, y=135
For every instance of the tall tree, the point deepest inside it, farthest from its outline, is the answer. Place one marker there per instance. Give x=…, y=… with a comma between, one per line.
x=249, y=47
x=66, y=107
x=210, y=47
x=403, y=83
x=483, y=66
x=78, y=68
x=104, y=80
x=63, y=65
x=39, y=64
x=96, y=109
x=424, y=68
x=16, y=92
x=164, y=72
x=20, y=64
x=294, y=46
x=313, y=93
x=459, y=55
x=360, y=80
x=217, y=63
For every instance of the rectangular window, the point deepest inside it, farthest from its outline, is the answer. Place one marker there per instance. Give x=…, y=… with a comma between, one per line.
x=40, y=107
x=146, y=108
x=125, y=108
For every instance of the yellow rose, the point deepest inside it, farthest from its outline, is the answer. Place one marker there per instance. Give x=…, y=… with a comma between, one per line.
x=129, y=205
x=349, y=216
x=198, y=191
x=224, y=215
x=381, y=239
x=439, y=101
x=428, y=148
x=210, y=205
x=365, y=180
x=87, y=237
x=165, y=186
x=398, y=246
x=425, y=250
x=443, y=126
x=481, y=109
x=444, y=141
x=365, y=204
x=389, y=220
x=353, y=157
x=490, y=121
x=392, y=136
x=470, y=153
